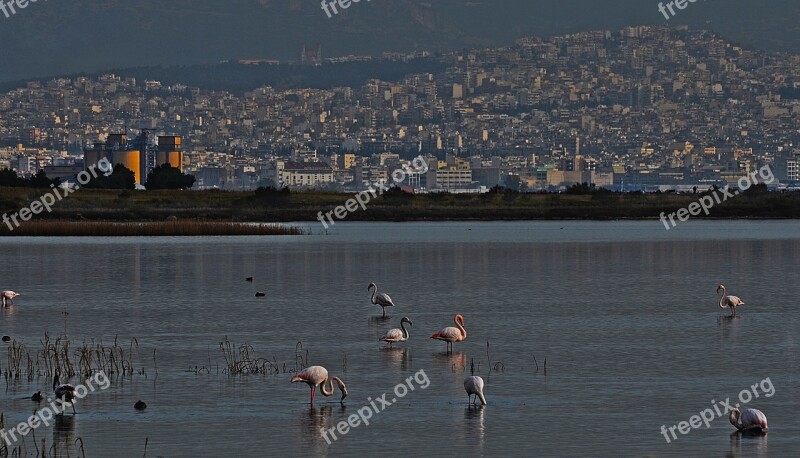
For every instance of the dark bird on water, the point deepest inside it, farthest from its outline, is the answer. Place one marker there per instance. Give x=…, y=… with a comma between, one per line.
x=260, y=294
x=37, y=396
x=140, y=405
x=6, y=338
x=249, y=279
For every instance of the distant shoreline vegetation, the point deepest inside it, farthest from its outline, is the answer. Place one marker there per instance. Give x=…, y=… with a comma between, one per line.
x=268, y=205
x=49, y=228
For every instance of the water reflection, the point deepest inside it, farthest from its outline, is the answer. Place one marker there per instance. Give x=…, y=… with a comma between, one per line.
x=401, y=356
x=457, y=360
x=748, y=443
x=313, y=422
x=63, y=433
x=379, y=321
x=474, y=425
x=729, y=326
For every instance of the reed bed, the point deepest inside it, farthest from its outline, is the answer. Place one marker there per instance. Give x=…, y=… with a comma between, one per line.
x=242, y=360
x=58, y=357
x=145, y=229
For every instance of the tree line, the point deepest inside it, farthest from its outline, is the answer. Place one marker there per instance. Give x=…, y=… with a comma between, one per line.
x=162, y=177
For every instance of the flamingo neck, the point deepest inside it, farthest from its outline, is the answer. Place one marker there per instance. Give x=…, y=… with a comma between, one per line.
x=461, y=328
x=721, y=299
x=374, y=292
x=403, y=328
x=326, y=388
x=734, y=419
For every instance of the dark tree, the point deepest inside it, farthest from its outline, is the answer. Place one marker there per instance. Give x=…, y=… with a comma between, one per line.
x=40, y=180
x=120, y=178
x=9, y=178
x=168, y=177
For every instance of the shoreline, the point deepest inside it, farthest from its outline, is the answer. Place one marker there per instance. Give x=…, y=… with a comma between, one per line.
x=207, y=211
x=56, y=228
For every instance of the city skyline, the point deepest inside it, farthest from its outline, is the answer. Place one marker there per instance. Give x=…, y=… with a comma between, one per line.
x=603, y=107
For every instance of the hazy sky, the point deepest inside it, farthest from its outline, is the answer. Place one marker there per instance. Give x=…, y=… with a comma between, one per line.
x=58, y=36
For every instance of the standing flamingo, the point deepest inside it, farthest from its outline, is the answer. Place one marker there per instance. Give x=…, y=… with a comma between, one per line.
x=64, y=393
x=397, y=335
x=474, y=385
x=8, y=296
x=318, y=376
x=381, y=299
x=451, y=334
x=749, y=420
x=728, y=301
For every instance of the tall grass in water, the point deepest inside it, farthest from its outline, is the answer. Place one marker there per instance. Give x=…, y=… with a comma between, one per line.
x=242, y=360
x=57, y=357
x=163, y=228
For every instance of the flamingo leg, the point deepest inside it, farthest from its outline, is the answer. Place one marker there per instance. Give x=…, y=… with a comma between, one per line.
x=312, y=396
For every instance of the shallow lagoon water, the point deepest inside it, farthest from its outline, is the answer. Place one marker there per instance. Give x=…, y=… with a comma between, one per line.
x=624, y=312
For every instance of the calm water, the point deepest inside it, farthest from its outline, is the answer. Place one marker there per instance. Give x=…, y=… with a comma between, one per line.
x=625, y=313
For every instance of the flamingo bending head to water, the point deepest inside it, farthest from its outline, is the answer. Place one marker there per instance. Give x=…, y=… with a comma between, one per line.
x=397, y=335
x=750, y=420
x=64, y=393
x=8, y=296
x=728, y=301
x=381, y=299
x=452, y=334
x=315, y=376
x=474, y=386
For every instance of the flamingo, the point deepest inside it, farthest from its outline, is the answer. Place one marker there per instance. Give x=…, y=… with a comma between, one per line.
x=8, y=296
x=381, y=299
x=451, y=334
x=474, y=385
x=65, y=392
x=318, y=375
x=749, y=420
x=397, y=335
x=729, y=301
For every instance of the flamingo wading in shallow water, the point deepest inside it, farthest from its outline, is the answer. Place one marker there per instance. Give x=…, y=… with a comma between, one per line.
x=451, y=334
x=8, y=296
x=752, y=420
x=474, y=386
x=318, y=376
x=64, y=393
x=728, y=301
x=381, y=299
x=397, y=335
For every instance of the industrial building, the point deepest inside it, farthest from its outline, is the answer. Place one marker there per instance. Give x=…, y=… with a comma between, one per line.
x=140, y=155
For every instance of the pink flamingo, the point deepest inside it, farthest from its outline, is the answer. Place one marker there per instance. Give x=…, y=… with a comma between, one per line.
x=474, y=386
x=749, y=420
x=729, y=301
x=8, y=296
x=381, y=299
x=451, y=334
x=397, y=335
x=318, y=376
